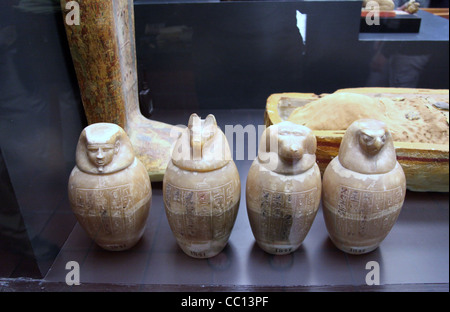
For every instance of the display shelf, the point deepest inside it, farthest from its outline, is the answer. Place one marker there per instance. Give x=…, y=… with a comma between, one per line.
x=413, y=257
x=432, y=29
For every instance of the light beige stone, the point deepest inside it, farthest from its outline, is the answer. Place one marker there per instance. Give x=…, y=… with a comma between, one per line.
x=201, y=189
x=412, y=120
x=411, y=7
x=109, y=188
x=283, y=188
x=363, y=188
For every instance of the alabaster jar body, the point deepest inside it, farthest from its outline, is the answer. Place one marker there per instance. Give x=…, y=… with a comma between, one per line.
x=283, y=188
x=201, y=189
x=109, y=188
x=363, y=188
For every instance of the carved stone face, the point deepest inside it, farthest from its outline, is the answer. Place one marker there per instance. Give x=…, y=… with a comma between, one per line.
x=288, y=148
x=200, y=132
x=372, y=140
x=103, y=148
x=101, y=155
x=202, y=146
x=367, y=147
x=291, y=145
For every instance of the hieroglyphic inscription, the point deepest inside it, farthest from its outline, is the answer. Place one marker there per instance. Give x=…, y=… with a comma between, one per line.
x=91, y=200
x=381, y=207
x=200, y=214
x=280, y=209
x=105, y=205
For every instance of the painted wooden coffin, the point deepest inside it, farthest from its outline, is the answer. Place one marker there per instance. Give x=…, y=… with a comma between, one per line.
x=426, y=163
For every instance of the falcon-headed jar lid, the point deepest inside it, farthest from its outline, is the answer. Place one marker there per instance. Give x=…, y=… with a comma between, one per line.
x=202, y=146
x=367, y=147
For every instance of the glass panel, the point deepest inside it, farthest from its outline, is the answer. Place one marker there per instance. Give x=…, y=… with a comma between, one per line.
x=216, y=57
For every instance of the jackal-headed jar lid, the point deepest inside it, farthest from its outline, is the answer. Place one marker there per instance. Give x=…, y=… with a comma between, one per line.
x=202, y=146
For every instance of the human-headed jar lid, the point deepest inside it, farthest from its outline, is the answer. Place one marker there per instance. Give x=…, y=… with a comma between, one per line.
x=103, y=148
x=202, y=146
x=287, y=148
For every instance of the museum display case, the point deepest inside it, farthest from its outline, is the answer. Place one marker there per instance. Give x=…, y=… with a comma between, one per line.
x=224, y=58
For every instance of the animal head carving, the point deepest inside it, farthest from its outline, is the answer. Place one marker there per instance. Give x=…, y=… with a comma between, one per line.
x=288, y=148
x=372, y=140
x=202, y=146
x=103, y=148
x=201, y=132
x=367, y=147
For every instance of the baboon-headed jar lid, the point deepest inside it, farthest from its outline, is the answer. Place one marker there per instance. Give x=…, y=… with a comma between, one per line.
x=287, y=148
